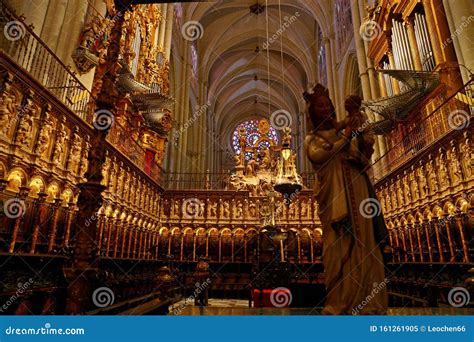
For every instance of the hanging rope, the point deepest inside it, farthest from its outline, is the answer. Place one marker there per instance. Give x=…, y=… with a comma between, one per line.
x=268, y=55
x=281, y=49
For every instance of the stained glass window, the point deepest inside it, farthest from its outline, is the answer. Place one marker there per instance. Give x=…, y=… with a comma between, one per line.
x=194, y=58
x=253, y=135
x=323, y=75
x=345, y=30
x=178, y=14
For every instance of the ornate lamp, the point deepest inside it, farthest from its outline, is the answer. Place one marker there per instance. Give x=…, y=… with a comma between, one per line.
x=288, y=182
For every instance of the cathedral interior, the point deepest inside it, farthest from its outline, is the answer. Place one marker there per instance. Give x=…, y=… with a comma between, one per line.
x=152, y=153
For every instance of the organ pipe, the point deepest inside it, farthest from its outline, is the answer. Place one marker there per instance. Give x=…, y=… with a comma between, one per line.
x=419, y=43
x=406, y=45
x=421, y=36
x=398, y=54
x=427, y=59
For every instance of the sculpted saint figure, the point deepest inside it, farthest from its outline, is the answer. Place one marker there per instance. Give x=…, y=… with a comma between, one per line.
x=354, y=234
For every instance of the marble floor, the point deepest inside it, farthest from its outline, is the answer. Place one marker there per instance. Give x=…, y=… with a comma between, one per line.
x=236, y=307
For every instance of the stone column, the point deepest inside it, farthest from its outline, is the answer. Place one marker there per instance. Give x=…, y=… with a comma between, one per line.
x=34, y=12
x=162, y=26
x=460, y=18
x=53, y=23
x=335, y=79
x=445, y=56
x=367, y=76
x=169, y=30
x=71, y=28
x=329, y=69
x=182, y=106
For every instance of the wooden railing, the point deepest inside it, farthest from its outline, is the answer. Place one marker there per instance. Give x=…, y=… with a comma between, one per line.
x=120, y=138
x=222, y=225
x=448, y=115
x=47, y=205
x=211, y=181
x=33, y=55
x=29, y=52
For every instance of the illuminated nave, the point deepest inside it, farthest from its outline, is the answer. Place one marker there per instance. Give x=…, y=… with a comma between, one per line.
x=239, y=157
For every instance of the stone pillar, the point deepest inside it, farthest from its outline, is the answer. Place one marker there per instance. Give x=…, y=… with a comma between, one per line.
x=162, y=26
x=338, y=101
x=460, y=18
x=445, y=56
x=34, y=12
x=329, y=69
x=370, y=65
x=169, y=30
x=182, y=105
x=53, y=23
x=368, y=79
x=70, y=30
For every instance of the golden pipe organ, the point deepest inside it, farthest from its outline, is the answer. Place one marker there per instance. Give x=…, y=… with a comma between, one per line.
x=424, y=182
x=428, y=167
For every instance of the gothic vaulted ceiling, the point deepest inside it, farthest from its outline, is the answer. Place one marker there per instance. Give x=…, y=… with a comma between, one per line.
x=243, y=79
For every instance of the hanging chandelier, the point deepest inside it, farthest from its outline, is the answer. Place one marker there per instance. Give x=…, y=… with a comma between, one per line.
x=288, y=182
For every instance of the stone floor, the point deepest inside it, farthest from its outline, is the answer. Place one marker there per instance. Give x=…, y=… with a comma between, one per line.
x=235, y=307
